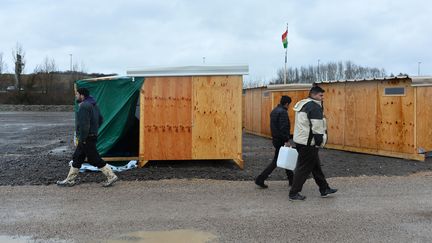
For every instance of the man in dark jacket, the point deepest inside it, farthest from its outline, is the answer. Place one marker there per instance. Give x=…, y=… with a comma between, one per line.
x=88, y=120
x=280, y=130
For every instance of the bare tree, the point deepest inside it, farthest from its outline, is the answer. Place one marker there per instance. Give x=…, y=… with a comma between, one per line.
x=253, y=83
x=46, y=71
x=18, y=56
x=330, y=71
x=48, y=66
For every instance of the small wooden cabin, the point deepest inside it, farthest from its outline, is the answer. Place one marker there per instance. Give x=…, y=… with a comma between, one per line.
x=191, y=112
x=259, y=102
x=389, y=116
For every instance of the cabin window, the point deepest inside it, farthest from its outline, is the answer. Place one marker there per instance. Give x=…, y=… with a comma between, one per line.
x=394, y=91
x=266, y=94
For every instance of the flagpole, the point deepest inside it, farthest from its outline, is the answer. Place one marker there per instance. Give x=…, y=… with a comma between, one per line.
x=286, y=58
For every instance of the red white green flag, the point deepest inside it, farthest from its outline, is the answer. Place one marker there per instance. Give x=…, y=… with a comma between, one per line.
x=285, y=39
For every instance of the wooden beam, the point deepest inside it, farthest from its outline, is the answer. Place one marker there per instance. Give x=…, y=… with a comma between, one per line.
x=257, y=134
x=120, y=158
x=419, y=157
x=240, y=162
x=142, y=161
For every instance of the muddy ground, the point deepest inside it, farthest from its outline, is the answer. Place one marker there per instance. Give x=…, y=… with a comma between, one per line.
x=365, y=209
x=36, y=146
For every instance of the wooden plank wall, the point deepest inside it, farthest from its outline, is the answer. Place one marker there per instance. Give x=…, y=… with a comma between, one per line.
x=243, y=111
x=360, y=115
x=424, y=117
x=396, y=118
x=362, y=119
x=253, y=110
x=217, y=112
x=166, y=118
x=248, y=110
x=334, y=110
x=256, y=110
x=265, y=113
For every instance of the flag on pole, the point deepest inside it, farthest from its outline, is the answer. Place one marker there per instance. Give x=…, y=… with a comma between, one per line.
x=285, y=39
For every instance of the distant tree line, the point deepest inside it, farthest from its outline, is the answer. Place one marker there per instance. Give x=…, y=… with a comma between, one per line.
x=45, y=85
x=328, y=71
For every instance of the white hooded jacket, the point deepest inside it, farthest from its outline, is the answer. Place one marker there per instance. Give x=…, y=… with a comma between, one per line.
x=310, y=123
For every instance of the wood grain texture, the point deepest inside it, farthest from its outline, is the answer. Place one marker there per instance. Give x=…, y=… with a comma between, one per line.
x=217, y=115
x=360, y=114
x=334, y=110
x=396, y=118
x=265, y=115
x=424, y=118
x=166, y=118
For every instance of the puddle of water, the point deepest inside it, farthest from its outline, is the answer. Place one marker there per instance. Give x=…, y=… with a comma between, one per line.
x=59, y=150
x=178, y=236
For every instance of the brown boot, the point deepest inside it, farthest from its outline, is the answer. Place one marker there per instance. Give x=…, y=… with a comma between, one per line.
x=70, y=179
x=111, y=177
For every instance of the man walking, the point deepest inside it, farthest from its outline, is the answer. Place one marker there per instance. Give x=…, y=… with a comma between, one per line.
x=88, y=121
x=280, y=130
x=310, y=133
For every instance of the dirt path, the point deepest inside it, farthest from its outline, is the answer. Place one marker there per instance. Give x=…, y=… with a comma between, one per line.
x=35, y=148
x=366, y=209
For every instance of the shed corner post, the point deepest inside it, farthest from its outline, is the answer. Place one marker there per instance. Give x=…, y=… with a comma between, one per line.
x=142, y=163
x=240, y=162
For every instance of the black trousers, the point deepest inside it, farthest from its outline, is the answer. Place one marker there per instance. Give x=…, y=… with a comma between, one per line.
x=87, y=150
x=269, y=169
x=308, y=162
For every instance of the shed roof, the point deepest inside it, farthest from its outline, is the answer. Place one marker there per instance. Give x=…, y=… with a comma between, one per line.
x=289, y=87
x=204, y=70
x=258, y=87
x=421, y=81
x=360, y=80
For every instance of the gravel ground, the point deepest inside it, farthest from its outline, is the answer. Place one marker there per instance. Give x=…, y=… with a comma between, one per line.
x=36, y=107
x=365, y=209
x=35, y=148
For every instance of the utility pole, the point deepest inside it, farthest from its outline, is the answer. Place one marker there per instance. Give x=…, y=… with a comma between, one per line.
x=318, y=70
x=70, y=62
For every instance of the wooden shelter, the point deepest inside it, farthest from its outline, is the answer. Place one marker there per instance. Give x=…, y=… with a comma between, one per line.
x=388, y=116
x=259, y=102
x=192, y=112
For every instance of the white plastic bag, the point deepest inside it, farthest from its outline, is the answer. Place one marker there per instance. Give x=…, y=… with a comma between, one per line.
x=287, y=158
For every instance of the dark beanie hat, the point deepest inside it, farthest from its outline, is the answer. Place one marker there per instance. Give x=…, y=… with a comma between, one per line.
x=316, y=89
x=84, y=92
x=285, y=100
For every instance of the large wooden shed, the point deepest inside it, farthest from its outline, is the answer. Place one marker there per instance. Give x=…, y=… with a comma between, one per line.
x=259, y=102
x=190, y=113
x=388, y=116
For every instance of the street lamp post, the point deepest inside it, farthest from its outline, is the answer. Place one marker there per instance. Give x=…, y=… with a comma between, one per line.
x=418, y=69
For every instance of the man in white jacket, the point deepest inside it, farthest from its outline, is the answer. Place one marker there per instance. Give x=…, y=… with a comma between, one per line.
x=310, y=134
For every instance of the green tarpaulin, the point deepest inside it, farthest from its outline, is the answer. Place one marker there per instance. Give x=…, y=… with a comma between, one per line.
x=117, y=99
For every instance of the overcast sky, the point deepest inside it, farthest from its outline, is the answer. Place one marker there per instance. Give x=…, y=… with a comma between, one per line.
x=110, y=36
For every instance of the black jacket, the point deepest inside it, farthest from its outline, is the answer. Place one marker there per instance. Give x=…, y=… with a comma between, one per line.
x=280, y=124
x=88, y=119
